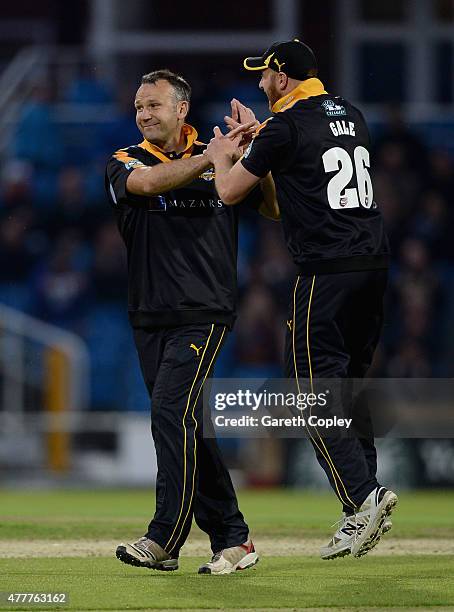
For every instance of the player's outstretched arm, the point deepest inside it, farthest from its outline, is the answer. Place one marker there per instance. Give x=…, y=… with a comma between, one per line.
x=241, y=114
x=153, y=180
x=233, y=182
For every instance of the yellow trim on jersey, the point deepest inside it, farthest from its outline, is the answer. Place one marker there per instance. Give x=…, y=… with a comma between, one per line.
x=306, y=89
x=155, y=151
x=261, y=126
x=185, y=435
x=190, y=134
x=195, y=439
x=124, y=157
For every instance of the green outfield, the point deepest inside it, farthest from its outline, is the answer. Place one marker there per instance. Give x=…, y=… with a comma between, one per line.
x=64, y=541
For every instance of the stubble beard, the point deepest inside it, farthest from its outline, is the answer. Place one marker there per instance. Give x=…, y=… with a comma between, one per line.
x=273, y=95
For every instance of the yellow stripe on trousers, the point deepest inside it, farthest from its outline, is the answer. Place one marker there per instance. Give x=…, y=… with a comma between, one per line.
x=195, y=439
x=185, y=435
x=325, y=454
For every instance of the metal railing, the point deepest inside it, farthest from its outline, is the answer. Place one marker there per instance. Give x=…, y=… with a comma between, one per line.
x=62, y=362
x=45, y=65
x=16, y=85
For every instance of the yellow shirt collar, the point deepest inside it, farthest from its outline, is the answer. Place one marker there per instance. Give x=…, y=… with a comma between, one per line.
x=190, y=134
x=306, y=89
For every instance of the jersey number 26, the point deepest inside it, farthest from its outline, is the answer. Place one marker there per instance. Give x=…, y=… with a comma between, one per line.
x=339, y=159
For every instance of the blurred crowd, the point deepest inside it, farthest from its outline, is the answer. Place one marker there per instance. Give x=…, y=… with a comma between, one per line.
x=63, y=260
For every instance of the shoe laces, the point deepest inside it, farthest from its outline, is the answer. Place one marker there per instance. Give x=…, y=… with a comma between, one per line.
x=341, y=520
x=346, y=518
x=216, y=556
x=142, y=542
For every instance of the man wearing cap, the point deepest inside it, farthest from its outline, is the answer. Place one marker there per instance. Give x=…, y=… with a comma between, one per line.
x=316, y=147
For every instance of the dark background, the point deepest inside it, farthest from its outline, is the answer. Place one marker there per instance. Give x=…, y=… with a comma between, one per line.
x=68, y=82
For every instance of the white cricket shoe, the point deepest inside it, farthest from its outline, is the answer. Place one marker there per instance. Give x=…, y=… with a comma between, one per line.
x=231, y=559
x=146, y=553
x=370, y=519
x=342, y=541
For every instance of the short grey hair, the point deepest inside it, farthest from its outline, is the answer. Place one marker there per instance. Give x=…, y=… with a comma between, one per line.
x=180, y=86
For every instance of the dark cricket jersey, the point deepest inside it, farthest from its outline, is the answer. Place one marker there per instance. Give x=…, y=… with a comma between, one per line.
x=317, y=149
x=181, y=244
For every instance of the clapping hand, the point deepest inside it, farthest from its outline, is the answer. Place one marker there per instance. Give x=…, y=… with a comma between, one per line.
x=241, y=115
x=228, y=144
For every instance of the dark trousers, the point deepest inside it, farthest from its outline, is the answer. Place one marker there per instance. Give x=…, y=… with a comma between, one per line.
x=334, y=327
x=192, y=479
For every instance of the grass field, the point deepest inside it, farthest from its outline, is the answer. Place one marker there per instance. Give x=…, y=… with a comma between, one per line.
x=64, y=541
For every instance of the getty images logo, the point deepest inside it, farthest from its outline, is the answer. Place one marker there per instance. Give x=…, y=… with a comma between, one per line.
x=253, y=401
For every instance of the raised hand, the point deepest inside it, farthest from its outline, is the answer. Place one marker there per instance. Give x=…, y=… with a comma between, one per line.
x=227, y=144
x=242, y=115
x=241, y=129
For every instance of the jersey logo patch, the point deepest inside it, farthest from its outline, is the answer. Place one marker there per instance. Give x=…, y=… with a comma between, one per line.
x=208, y=175
x=197, y=349
x=332, y=109
x=133, y=164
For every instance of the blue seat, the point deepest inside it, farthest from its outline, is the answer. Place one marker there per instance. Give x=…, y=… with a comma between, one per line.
x=17, y=295
x=107, y=336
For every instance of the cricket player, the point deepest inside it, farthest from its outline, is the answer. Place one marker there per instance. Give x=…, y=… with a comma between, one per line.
x=181, y=242
x=316, y=146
